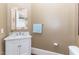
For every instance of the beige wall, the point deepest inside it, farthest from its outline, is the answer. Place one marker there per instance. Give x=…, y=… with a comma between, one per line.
x=77, y=27
x=64, y=34
x=3, y=20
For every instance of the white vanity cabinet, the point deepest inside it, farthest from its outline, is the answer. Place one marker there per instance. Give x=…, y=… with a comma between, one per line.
x=18, y=46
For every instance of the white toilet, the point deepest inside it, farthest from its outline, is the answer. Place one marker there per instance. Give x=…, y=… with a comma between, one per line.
x=73, y=50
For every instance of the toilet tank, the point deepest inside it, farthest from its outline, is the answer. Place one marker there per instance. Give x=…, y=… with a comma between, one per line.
x=73, y=50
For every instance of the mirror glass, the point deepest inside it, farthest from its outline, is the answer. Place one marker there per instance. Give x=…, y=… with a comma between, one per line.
x=19, y=19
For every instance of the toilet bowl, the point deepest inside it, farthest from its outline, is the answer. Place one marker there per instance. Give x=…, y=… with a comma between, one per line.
x=73, y=50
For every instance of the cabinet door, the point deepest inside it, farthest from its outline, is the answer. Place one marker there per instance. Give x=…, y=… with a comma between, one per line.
x=12, y=47
x=25, y=48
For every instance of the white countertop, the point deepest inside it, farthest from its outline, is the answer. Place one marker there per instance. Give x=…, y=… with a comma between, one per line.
x=14, y=36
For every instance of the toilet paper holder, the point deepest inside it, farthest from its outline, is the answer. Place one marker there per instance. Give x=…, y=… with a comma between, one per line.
x=55, y=44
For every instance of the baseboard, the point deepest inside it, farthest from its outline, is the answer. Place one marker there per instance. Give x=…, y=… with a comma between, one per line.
x=38, y=51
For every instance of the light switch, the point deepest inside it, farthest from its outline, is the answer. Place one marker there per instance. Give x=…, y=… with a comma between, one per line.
x=2, y=30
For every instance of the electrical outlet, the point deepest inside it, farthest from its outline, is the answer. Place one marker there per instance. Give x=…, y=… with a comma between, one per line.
x=2, y=30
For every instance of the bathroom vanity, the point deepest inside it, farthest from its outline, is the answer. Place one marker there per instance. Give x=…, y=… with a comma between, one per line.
x=18, y=43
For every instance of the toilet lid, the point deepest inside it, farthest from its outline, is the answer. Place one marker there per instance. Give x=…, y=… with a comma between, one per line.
x=74, y=49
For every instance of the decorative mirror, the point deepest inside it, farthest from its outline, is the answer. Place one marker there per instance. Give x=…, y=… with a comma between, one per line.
x=19, y=19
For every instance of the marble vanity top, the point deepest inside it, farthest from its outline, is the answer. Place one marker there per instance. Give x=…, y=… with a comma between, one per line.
x=18, y=35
